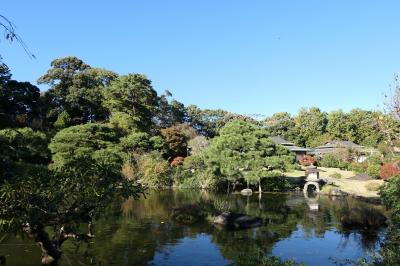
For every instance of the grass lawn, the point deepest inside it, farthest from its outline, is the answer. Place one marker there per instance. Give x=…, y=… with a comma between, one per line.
x=328, y=172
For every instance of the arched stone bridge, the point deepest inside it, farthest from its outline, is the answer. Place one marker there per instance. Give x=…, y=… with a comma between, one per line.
x=311, y=183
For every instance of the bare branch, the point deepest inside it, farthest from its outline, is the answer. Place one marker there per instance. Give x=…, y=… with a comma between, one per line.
x=11, y=35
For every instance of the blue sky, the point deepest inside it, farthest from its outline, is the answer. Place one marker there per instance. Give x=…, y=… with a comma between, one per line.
x=250, y=57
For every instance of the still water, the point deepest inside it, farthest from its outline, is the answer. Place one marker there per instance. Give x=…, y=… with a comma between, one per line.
x=142, y=233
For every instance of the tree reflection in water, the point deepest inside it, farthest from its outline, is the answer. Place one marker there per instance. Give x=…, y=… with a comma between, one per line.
x=136, y=232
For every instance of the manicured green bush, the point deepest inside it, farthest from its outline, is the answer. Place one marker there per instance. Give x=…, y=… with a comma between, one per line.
x=275, y=182
x=136, y=141
x=63, y=120
x=330, y=160
x=390, y=194
x=358, y=168
x=373, y=170
x=84, y=150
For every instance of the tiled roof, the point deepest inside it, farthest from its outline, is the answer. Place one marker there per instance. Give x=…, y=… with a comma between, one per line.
x=290, y=146
x=279, y=140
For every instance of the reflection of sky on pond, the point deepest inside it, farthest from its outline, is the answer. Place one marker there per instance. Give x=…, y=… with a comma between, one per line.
x=190, y=251
x=333, y=248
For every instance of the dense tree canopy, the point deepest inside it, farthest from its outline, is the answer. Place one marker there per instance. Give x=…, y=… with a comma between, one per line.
x=19, y=101
x=242, y=151
x=77, y=89
x=133, y=94
x=21, y=149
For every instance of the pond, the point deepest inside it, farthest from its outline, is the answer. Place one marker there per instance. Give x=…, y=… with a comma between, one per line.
x=309, y=230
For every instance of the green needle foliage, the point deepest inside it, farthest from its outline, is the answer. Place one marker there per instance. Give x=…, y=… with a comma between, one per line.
x=242, y=152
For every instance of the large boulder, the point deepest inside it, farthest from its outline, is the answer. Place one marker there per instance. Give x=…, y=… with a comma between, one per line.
x=246, y=192
x=335, y=192
x=237, y=221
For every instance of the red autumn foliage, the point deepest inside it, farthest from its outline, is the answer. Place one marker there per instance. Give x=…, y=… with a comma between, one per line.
x=390, y=170
x=308, y=160
x=177, y=161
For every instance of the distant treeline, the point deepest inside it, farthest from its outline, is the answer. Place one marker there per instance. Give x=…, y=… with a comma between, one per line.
x=79, y=94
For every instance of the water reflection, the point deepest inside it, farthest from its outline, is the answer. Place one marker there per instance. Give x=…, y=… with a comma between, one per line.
x=314, y=230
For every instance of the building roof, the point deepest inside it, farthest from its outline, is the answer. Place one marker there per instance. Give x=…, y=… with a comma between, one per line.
x=289, y=145
x=339, y=144
x=281, y=141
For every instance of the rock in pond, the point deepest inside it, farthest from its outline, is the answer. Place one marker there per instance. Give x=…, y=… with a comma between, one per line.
x=237, y=221
x=246, y=192
x=337, y=193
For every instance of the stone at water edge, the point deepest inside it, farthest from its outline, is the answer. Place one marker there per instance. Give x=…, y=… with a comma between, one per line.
x=337, y=192
x=246, y=192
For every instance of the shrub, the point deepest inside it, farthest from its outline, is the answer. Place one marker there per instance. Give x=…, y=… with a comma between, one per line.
x=128, y=171
x=153, y=170
x=373, y=170
x=390, y=170
x=371, y=166
x=330, y=160
x=87, y=150
x=136, y=141
x=158, y=143
x=372, y=186
x=63, y=120
x=199, y=180
x=359, y=168
x=274, y=182
x=390, y=194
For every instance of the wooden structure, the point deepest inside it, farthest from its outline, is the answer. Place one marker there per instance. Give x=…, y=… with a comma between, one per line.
x=339, y=145
x=299, y=151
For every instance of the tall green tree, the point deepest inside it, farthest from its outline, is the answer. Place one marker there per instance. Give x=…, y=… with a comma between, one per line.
x=339, y=126
x=169, y=112
x=19, y=102
x=310, y=123
x=281, y=124
x=364, y=127
x=77, y=89
x=133, y=94
x=208, y=122
x=244, y=151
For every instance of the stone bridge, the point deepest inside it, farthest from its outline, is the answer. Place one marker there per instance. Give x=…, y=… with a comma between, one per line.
x=311, y=183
